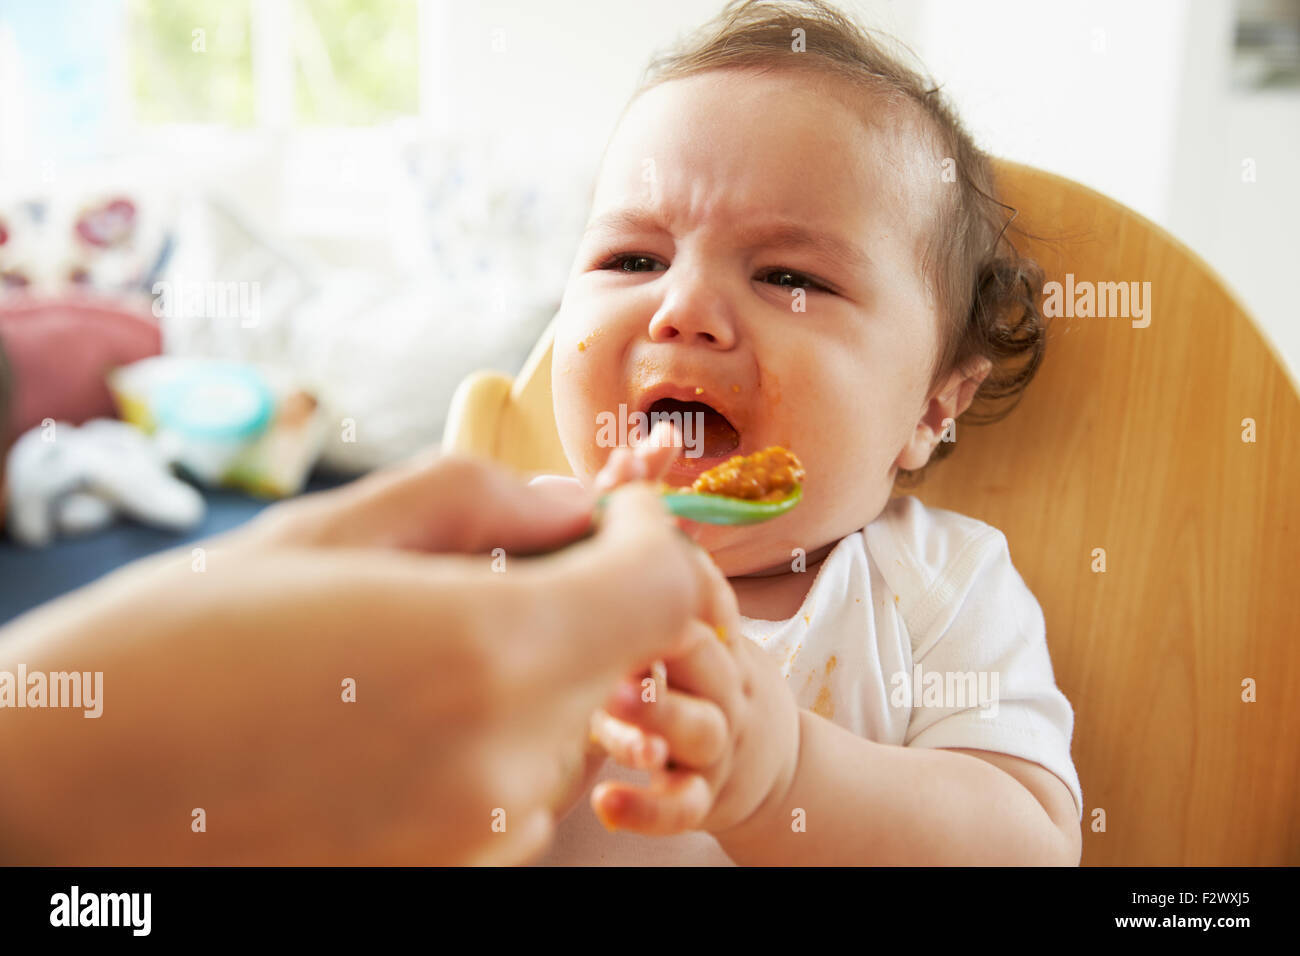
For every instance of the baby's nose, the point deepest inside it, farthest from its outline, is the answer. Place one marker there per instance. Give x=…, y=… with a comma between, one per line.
x=705, y=326
x=694, y=310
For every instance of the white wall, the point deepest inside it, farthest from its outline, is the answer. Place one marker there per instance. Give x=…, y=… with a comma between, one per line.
x=1134, y=100
x=1235, y=180
x=1086, y=90
x=557, y=74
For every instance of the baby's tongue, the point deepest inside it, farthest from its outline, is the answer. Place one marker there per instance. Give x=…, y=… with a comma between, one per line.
x=720, y=438
x=704, y=427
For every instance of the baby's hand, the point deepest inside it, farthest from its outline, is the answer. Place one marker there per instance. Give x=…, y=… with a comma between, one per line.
x=720, y=742
x=647, y=461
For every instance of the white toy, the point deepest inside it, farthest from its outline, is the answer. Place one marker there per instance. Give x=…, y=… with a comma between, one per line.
x=65, y=480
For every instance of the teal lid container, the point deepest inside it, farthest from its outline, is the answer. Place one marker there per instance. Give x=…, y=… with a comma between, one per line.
x=216, y=402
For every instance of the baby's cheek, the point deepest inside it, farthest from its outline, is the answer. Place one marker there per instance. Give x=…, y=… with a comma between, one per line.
x=845, y=448
x=573, y=393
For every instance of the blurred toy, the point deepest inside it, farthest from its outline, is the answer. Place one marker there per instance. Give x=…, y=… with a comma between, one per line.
x=66, y=480
x=226, y=423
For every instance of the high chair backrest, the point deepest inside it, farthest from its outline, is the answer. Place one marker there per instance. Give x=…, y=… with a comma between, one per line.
x=1147, y=485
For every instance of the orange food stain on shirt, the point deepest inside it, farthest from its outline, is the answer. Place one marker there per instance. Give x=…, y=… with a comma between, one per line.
x=824, y=706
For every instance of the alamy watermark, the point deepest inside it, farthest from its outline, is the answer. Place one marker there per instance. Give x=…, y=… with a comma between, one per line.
x=623, y=429
x=84, y=689
x=1102, y=300
x=954, y=690
x=209, y=300
x=75, y=908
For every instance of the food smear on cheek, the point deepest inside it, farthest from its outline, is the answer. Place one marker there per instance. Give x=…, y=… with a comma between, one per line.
x=767, y=475
x=584, y=344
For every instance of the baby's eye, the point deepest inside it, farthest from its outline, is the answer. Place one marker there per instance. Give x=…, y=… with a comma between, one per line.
x=793, y=280
x=631, y=263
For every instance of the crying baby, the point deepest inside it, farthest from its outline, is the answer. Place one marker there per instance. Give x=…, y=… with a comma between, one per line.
x=775, y=255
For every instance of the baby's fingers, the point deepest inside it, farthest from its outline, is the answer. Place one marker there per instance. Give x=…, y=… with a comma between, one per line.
x=694, y=728
x=628, y=745
x=650, y=459
x=674, y=802
x=621, y=467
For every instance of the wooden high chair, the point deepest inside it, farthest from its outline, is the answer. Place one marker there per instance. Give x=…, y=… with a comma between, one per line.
x=1131, y=440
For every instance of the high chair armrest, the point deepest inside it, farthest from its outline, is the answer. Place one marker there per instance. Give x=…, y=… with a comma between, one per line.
x=474, y=416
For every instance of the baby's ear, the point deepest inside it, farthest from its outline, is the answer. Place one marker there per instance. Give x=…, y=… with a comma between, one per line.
x=950, y=399
x=968, y=380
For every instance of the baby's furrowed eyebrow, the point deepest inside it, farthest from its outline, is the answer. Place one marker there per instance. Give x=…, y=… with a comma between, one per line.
x=776, y=233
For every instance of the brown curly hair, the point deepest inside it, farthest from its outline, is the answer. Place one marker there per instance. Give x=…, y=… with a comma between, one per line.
x=987, y=293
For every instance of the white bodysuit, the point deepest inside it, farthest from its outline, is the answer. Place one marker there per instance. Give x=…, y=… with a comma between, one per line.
x=917, y=631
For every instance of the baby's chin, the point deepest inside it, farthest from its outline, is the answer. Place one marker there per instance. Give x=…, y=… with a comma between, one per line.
x=743, y=550
x=792, y=543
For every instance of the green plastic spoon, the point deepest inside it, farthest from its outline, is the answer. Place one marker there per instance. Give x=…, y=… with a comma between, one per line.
x=723, y=509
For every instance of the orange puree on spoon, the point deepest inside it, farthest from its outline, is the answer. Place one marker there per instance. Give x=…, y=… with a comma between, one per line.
x=763, y=476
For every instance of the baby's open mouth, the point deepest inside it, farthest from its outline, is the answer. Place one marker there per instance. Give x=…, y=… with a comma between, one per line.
x=712, y=434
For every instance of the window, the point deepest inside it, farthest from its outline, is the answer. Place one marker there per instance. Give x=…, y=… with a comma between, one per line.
x=190, y=61
x=273, y=62
x=355, y=61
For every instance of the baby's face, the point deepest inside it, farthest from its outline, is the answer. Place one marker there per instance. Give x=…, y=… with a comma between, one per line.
x=720, y=196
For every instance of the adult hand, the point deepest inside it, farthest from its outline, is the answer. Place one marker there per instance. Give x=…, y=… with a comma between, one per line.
x=226, y=673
